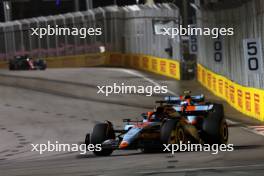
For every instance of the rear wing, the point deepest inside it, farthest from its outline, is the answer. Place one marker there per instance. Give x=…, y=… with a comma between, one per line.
x=196, y=110
x=179, y=99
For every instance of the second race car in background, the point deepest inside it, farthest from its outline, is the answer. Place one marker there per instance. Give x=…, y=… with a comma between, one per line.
x=26, y=63
x=176, y=119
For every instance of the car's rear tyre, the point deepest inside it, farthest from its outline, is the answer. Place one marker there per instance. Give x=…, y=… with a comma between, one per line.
x=166, y=131
x=102, y=132
x=224, y=133
x=87, y=139
x=215, y=127
x=12, y=65
x=42, y=65
x=173, y=132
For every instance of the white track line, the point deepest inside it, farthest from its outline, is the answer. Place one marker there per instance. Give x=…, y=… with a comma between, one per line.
x=259, y=130
x=231, y=122
x=138, y=74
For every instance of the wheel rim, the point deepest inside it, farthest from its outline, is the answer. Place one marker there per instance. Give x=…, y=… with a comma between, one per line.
x=172, y=139
x=224, y=132
x=180, y=135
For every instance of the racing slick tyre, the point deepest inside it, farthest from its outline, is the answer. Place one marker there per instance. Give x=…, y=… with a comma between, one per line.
x=11, y=66
x=102, y=132
x=87, y=139
x=215, y=127
x=41, y=65
x=44, y=67
x=173, y=132
x=166, y=130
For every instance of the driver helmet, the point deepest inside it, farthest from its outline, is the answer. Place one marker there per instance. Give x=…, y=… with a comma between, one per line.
x=157, y=115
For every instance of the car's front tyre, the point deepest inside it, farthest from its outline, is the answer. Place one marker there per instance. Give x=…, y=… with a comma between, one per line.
x=102, y=132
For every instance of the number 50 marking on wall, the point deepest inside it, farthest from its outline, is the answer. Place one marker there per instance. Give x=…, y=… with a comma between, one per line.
x=253, y=55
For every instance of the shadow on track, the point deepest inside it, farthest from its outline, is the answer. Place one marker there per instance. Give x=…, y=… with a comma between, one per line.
x=247, y=147
x=114, y=155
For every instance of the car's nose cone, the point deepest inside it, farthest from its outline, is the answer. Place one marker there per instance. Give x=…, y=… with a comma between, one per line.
x=123, y=144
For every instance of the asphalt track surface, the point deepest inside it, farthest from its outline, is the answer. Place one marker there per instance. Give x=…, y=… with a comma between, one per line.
x=63, y=105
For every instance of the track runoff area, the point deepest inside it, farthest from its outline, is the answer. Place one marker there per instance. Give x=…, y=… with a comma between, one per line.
x=60, y=106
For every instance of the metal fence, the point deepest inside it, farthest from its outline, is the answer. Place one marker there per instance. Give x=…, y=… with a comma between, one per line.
x=127, y=29
x=248, y=23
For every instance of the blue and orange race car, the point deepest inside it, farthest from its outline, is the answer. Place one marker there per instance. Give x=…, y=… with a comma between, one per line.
x=176, y=119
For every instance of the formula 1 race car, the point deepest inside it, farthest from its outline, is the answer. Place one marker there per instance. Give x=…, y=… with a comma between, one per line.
x=176, y=119
x=26, y=63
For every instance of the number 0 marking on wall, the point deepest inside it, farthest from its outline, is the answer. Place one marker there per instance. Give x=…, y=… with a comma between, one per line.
x=253, y=55
x=193, y=44
x=218, y=55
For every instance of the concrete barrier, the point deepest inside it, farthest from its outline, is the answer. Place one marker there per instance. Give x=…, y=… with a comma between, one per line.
x=87, y=60
x=247, y=100
x=162, y=66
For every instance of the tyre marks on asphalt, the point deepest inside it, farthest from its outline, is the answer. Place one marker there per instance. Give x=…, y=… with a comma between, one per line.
x=21, y=143
x=56, y=114
x=171, y=161
x=171, y=165
x=19, y=107
x=257, y=129
x=72, y=117
x=84, y=119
